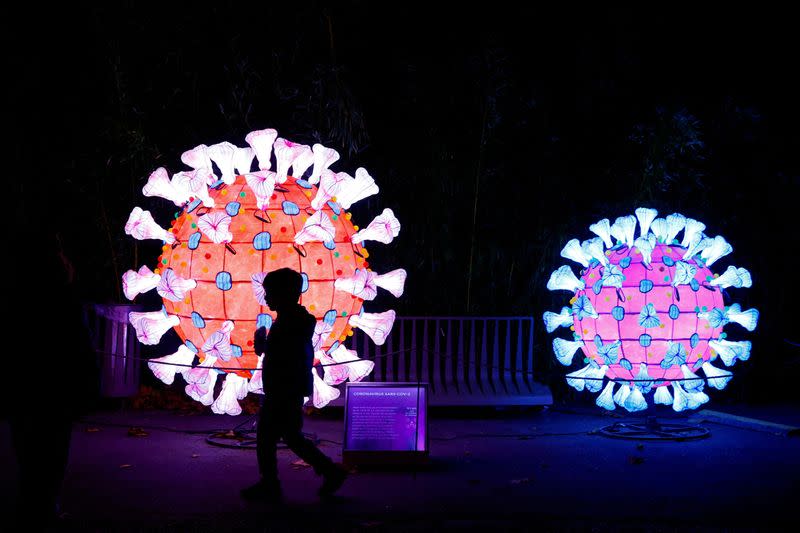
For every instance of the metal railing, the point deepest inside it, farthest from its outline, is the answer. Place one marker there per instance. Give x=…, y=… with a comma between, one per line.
x=465, y=360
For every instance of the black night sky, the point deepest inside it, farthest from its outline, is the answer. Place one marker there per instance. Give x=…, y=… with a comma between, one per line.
x=496, y=134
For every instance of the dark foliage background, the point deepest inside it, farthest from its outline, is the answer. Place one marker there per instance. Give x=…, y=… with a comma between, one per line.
x=495, y=134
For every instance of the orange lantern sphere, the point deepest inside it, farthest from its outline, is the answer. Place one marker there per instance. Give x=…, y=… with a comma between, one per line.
x=263, y=240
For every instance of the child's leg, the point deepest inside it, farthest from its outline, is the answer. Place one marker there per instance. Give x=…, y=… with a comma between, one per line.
x=303, y=447
x=266, y=441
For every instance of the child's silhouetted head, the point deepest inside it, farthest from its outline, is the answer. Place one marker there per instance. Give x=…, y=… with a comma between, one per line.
x=282, y=288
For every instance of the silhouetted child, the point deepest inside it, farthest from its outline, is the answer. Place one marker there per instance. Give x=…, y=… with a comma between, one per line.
x=286, y=374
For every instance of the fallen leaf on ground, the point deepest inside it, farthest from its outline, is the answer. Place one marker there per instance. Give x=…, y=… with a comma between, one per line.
x=195, y=455
x=520, y=481
x=300, y=463
x=92, y=430
x=125, y=466
x=137, y=432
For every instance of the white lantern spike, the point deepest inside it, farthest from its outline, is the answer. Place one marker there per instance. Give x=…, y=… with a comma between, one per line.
x=255, y=385
x=323, y=158
x=201, y=380
x=680, y=400
x=675, y=224
x=173, y=287
x=697, y=245
x=747, y=319
x=302, y=161
x=164, y=368
x=393, y=281
x=622, y=395
x=150, y=326
x=606, y=398
x=593, y=248
x=716, y=377
x=383, y=228
x=357, y=368
x=135, y=283
x=718, y=248
x=645, y=216
x=635, y=401
x=261, y=141
x=222, y=154
x=602, y=229
x=572, y=250
x=731, y=351
x=646, y=245
x=565, y=350
x=197, y=157
x=317, y=228
x=323, y=393
x=594, y=377
x=564, y=279
x=624, y=229
x=285, y=154
x=243, y=160
x=553, y=320
x=333, y=373
x=194, y=184
x=329, y=185
x=376, y=325
x=159, y=184
x=355, y=189
x=262, y=183
x=141, y=226
x=693, y=382
x=234, y=388
x=691, y=230
x=662, y=396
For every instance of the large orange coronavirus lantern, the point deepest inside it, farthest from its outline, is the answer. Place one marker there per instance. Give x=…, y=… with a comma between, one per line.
x=235, y=225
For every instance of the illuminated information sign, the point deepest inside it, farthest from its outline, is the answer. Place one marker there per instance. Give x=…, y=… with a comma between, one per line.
x=385, y=422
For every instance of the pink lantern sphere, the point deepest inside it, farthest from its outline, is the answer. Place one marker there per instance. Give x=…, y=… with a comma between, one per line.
x=648, y=312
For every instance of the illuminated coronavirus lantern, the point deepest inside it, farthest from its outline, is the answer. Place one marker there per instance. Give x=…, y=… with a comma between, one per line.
x=648, y=313
x=236, y=224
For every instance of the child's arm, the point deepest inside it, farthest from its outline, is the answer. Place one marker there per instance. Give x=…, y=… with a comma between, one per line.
x=260, y=341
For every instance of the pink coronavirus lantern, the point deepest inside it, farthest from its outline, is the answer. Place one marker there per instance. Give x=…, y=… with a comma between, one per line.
x=647, y=312
x=235, y=224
